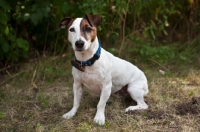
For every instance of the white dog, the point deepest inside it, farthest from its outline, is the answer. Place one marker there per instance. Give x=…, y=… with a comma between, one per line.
x=100, y=71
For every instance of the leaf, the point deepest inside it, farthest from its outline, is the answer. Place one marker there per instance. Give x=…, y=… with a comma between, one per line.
x=191, y=94
x=7, y=30
x=34, y=19
x=1, y=115
x=157, y=12
x=4, y=4
x=165, y=32
x=2, y=28
x=44, y=12
x=26, y=16
x=22, y=44
x=4, y=45
x=12, y=38
x=65, y=8
x=3, y=17
x=34, y=85
x=24, y=54
x=152, y=33
x=183, y=57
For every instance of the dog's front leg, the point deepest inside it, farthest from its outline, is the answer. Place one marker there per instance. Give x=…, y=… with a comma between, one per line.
x=78, y=90
x=105, y=94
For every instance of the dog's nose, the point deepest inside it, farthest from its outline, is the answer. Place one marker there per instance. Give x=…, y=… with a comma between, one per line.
x=79, y=44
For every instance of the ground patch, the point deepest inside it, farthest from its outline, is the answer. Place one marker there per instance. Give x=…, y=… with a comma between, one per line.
x=191, y=107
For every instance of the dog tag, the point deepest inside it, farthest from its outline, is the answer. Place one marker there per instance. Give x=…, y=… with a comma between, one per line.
x=77, y=65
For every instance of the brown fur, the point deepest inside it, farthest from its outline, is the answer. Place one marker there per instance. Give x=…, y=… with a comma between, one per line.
x=66, y=23
x=88, y=35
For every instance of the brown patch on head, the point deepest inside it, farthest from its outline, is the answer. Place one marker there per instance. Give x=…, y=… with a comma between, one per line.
x=87, y=31
x=65, y=23
x=94, y=20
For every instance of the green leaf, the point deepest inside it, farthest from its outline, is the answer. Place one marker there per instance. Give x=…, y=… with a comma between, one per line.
x=165, y=32
x=24, y=54
x=2, y=28
x=44, y=12
x=1, y=115
x=7, y=30
x=4, y=4
x=65, y=7
x=26, y=16
x=22, y=44
x=34, y=18
x=152, y=34
x=191, y=94
x=4, y=45
x=12, y=38
x=3, y=17
x=183, y=57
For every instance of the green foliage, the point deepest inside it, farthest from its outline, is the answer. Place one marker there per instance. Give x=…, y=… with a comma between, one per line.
x=1, y=115
x=160, y=54
x=12, y=48
x=84, y=126
x=29, y=26
x=43, y=100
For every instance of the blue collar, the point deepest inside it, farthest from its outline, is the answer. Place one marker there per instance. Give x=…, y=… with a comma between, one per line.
x=81, y=64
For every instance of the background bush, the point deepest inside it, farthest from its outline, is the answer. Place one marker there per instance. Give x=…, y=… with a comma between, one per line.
x=147, y=28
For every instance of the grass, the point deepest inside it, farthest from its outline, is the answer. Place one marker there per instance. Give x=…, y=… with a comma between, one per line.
x=35, y=98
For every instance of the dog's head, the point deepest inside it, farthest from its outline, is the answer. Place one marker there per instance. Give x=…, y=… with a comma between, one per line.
x=81, y=31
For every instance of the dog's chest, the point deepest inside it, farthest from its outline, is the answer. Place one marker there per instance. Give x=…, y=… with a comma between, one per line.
x=92, y=78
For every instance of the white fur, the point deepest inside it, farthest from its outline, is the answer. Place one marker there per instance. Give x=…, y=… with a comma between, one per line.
x=106, y=76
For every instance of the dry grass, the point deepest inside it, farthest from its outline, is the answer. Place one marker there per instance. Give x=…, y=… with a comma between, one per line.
x=41, y=92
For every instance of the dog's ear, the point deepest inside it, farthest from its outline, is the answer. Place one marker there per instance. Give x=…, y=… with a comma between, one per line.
x=65, y=23
x=94, y=20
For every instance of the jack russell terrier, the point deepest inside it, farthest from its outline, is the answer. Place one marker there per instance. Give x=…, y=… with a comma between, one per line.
x=100, y=71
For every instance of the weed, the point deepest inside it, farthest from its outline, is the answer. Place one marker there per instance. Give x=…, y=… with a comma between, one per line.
x=1, y=115
x=43, y=100
x=84, y=126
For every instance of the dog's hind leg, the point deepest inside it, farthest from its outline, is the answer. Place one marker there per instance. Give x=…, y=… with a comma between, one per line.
x=137, y=91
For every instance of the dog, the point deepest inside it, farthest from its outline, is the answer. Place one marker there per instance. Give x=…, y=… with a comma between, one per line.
x=100, y=71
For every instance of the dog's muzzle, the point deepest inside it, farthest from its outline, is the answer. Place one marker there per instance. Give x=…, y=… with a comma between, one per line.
x=79, y=44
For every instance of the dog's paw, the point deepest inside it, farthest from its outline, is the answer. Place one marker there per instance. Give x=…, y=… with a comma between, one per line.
x=99, y=118
x=137, y=107
x=131, y=108
x=69, y=115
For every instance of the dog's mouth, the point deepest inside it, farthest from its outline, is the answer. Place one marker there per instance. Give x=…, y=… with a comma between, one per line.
x=79, y=49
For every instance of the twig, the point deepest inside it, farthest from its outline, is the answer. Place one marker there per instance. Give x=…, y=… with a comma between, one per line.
x=133, y=33
x=46, y=39
x=56, y=43
x=123, y=30
x=6, y=68
x=160, y=64
x=10, y=77
x=33, y=78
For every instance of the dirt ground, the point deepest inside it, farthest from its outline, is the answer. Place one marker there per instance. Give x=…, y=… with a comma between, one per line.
x=36, y=95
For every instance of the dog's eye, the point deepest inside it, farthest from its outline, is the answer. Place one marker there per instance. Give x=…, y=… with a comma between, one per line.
x=72, y=30
x=88, y=29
